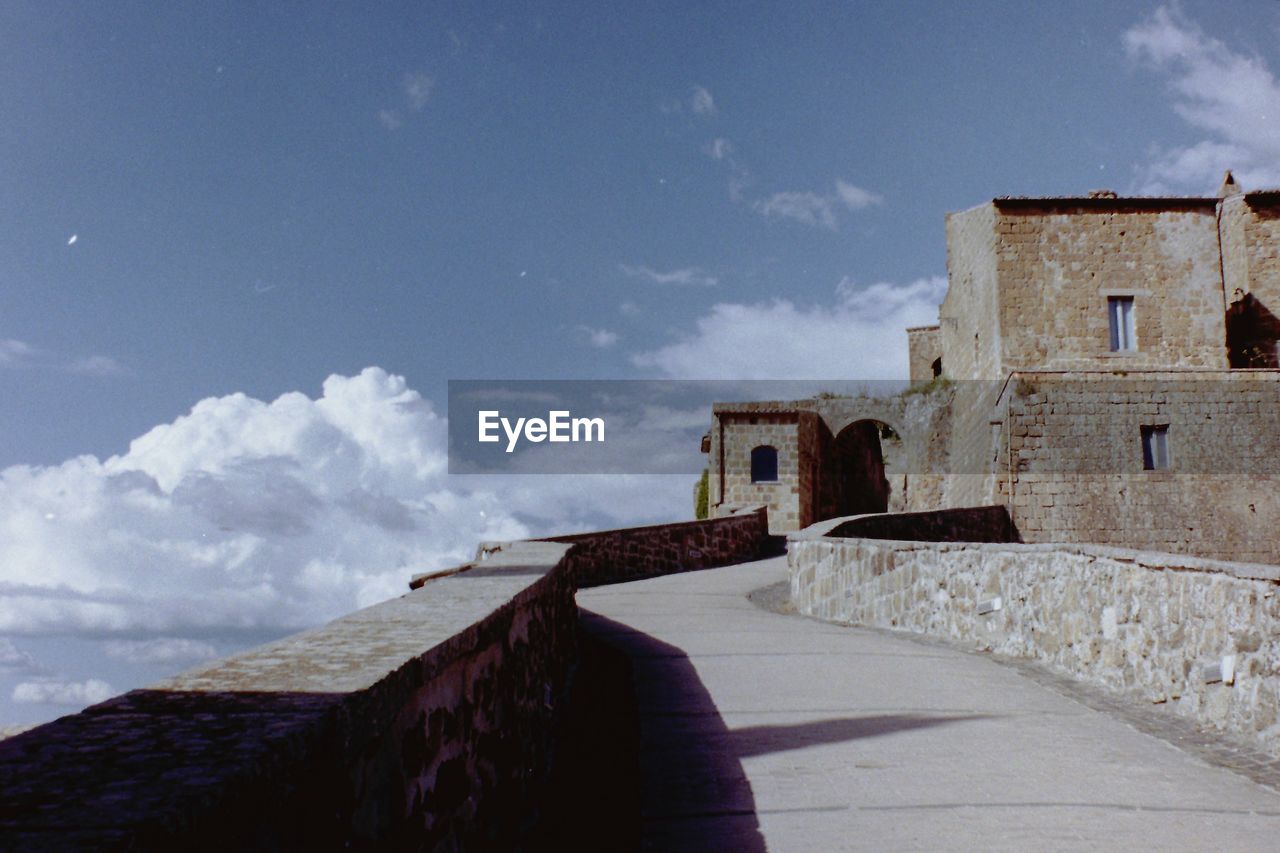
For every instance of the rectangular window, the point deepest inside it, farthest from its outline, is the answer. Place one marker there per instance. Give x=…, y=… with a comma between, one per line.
x=1155, y=448
x=1120, y=313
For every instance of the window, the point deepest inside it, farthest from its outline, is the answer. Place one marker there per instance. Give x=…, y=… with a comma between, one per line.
x=1155, y=448
x=1120, y=314
x=764, y=465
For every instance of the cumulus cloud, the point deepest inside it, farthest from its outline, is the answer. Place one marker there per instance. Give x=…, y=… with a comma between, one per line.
x=240, y=515
x=860, y=336
x=701, y=102
x=814, y=209
x=246, y=517
x=602, y=338
x=686, y=276
x=76, y=693
x=1233, y=98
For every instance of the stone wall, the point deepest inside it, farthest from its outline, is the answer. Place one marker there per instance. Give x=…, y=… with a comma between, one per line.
x=1075, y=461
x=424, y=722
x=968, y=524
x=924, y=347
x=1058, y=263
x=1156, y=626
x=789, y=498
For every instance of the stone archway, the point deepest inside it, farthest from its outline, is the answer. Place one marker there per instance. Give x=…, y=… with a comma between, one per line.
x=857, y=468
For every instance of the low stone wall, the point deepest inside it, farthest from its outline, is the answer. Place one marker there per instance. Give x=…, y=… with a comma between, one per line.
x=1202, y=635
x=635, y=553
x=970, y=524
x=424, y=722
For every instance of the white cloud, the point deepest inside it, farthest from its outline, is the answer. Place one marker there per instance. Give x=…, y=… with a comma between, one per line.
x=601, y=338
x=719, y=148
x=1233, y=98
x=806, y=207
x=98, y=365
x=417, y=90
x=856, y=198
x=687, y=276
x=814, y=209
x=79, y=693
x=860, y=336
x=162, y=650
x=629, y=309
x=247, y=517
x=390, y=119
x=701, y=102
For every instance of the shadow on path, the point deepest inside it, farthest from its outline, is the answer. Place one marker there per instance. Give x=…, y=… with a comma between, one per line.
x=692, y=792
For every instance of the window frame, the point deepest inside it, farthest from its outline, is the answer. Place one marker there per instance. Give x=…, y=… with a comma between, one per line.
x=1155, y=447
x=1122, y=327
x=773, y=461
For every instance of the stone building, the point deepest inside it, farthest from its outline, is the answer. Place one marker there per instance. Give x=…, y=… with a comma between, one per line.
x=1105, y=367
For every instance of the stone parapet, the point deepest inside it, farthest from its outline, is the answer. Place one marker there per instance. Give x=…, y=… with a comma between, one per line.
x=1201, y=635
x=424, y=722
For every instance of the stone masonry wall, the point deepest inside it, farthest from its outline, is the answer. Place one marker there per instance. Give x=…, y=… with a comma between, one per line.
x=1076, y=473
x=790, y=433
x=968, y=317
x=924, y=345
x=425, y=722
x=1057, y=265
x=1155, y=626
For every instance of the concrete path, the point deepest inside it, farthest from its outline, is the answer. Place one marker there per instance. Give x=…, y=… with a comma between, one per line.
x=764, y=731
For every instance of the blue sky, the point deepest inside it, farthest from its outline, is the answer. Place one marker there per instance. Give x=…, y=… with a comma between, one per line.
x=226, y=203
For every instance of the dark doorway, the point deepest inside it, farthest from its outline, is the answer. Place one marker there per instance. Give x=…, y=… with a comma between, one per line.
x=858, y=469
x=1252, y=333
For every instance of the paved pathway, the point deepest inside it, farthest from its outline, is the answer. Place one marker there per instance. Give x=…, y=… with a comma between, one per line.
x=765, y=731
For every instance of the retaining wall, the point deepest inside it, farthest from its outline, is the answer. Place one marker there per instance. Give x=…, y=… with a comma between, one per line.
x=424, y=722
x=1157, y=626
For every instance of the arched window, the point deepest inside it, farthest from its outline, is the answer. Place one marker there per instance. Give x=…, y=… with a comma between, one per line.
x=937, y=367
x=764, y=464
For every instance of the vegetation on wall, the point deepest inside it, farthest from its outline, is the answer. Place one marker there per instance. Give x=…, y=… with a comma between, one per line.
x=701, y=495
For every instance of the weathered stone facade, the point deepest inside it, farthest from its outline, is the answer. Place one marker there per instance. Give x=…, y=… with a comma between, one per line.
x=1078, y=337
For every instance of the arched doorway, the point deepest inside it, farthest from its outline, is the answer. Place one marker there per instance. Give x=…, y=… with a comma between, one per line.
x=857, y=468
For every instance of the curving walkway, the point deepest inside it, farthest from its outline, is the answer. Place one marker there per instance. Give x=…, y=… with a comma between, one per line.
x=764, y=731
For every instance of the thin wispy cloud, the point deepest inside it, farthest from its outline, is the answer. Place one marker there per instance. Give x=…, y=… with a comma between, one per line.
x=599, y=338
x=701, y=102
x=811, y=208
x=14, y=352
x=1232, y=97
x=417, y=90
x=688, y=276
x=390, y=119
x=98, y=365
x=722, y=150
x=15, y=660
